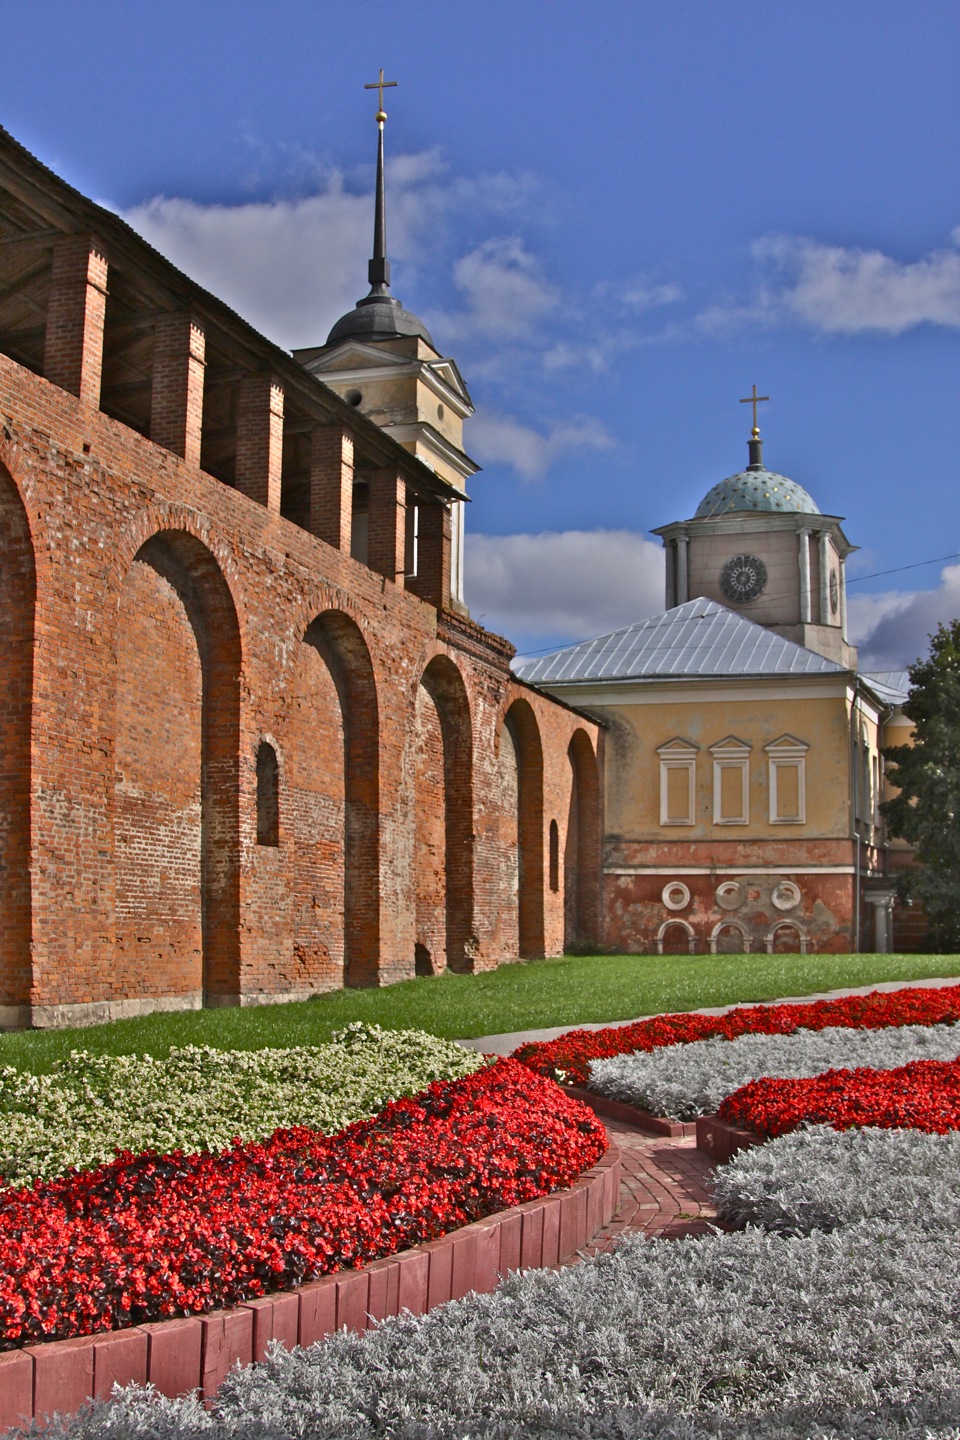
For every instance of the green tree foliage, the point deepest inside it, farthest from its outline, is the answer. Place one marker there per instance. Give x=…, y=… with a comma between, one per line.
x=926, y=813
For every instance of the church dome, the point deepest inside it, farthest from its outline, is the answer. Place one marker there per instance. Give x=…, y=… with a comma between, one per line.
x=378, y=317
x=756, y=488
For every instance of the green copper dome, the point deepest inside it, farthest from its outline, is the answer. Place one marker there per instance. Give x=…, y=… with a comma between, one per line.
x=756, y=489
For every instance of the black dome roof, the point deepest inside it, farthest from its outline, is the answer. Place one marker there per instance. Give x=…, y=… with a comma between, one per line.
x=378, y=317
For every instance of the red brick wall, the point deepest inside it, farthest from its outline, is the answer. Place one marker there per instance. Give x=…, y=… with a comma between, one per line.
x=635, y=908
x=270, y=633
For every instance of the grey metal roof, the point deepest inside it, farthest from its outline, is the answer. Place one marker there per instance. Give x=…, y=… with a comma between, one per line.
x=700, y=638
x=893, y=686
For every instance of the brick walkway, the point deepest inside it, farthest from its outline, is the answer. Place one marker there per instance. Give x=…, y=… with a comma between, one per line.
x=663, y=1192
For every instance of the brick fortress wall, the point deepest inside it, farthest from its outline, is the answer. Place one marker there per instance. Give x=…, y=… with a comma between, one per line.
x=240, y=765
x=179, y=627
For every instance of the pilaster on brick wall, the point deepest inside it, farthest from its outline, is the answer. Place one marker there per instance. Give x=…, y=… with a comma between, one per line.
x=260, y=439
x=331, y=486
x=432, y=582
x=176, y=406
x=386, y=543
x=76, y=310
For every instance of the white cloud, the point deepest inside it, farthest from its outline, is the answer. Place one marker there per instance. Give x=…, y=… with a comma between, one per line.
x=504, y=289
x=847, y=291
x=291, y=266
x=842, y=290
x=646, y=295
x=288, y=267
x=555, y=587
x=500, y=439
x=893, y=629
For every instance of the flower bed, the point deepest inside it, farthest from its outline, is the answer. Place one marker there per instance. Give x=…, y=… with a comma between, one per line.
x=154, y=1236
x=924, y=1095
x=748, y=1336
x=197, y=1098
x=568, y=1057
x=682, y=1083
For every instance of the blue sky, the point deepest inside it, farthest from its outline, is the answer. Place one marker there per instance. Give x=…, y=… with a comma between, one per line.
x=616, y=217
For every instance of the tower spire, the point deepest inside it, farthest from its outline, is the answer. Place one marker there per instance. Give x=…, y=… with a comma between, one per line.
x=378, y=270
x=754, y=444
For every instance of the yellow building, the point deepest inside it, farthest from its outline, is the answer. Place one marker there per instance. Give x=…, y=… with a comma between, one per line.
x=743, y=767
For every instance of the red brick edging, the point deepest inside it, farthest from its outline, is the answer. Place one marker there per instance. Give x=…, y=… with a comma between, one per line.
x=631, y=1114
x=715, y=1137
x=721, y=1140
x=196, y=1353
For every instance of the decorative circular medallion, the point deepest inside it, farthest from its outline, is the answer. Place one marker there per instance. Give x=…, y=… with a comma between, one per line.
x=676, y=896
x=730, y=895
x=834, y=592
x=743, y=578
x=786, y=895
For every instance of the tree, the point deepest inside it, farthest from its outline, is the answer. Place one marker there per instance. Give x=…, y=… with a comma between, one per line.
x=926, y=812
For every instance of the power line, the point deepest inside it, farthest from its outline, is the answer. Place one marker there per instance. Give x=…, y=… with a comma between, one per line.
x=918, y=565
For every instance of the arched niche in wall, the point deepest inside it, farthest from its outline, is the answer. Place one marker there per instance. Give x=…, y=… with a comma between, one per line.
x=444, y=821
x=18, y=587
x=332, y=764
x=176, y=791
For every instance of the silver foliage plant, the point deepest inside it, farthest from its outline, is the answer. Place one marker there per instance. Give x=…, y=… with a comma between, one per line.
x=849, y=1335
x=681, y=1082
x=819, y=1178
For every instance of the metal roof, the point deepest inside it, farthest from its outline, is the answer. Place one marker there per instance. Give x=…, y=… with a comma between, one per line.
x=893, y=686
x=756, y=490
x=700, y=638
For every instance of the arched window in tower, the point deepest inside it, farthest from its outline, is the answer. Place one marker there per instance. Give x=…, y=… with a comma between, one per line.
x=554, y=856
x=268, y=795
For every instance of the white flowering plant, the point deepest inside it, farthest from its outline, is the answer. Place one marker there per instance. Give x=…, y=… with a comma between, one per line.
x=198, y=1098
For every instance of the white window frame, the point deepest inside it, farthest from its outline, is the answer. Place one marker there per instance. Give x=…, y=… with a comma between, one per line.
x=787, y=750
x=731, y=754
x=678, y=754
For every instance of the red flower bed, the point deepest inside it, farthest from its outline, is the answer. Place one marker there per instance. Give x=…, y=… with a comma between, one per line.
x=569, y=1056
x=924, y=1095
x=152, y=1236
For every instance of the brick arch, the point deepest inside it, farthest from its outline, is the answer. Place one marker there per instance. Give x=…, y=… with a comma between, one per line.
x=581, y=861
x=676, y=932
x=521, y=732
x=176, y=777
x=333, y=785
x=728, y=937
x=444, y=821
x=787, y=937
x=166, y=518
x=18, y=592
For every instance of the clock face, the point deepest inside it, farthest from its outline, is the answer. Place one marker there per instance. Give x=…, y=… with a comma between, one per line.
x=834, y=592
x=743, y=578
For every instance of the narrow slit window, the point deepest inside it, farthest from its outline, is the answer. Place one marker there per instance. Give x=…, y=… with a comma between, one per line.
x=554, y=856
x=268, y=795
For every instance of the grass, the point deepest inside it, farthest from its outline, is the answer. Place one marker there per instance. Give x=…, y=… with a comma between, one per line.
x=531, y=995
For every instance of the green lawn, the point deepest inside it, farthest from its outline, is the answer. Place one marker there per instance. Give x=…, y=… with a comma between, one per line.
x=532, y=995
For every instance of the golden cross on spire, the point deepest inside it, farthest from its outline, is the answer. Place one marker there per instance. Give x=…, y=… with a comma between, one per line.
x=382, y=85
x=753, y=400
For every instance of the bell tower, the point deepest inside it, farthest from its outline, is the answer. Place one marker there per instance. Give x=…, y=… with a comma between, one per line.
x=760, y=545
x=380, y=358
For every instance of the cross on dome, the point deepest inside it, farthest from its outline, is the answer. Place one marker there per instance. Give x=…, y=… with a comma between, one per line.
x=753, y=399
